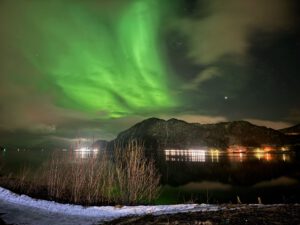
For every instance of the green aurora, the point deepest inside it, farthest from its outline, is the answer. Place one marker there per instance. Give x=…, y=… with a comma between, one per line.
x=96, y=67
x=99, y=63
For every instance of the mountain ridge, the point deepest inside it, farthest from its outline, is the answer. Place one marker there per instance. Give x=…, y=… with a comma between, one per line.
x=174, y=133
x=292, y=129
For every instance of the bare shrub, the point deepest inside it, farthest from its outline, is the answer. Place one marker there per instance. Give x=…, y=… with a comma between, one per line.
x=136, y=176
x=23, y=179
x=127, y=178
x=54, y=176
x=87, y=181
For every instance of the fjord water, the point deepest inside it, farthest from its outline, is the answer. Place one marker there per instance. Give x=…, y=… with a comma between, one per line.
x=222, y=177
x=203, y=176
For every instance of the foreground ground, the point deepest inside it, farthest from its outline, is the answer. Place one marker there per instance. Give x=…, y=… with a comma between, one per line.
x=247, y=214
x=21, y=209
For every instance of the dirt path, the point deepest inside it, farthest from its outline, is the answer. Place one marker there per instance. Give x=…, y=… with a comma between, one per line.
x=247, y=214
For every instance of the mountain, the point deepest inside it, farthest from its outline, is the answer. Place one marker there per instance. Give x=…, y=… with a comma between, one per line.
x=293, y=134
x=294, y=130
x=173, y=133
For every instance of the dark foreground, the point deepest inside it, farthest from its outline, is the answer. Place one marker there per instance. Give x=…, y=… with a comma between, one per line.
x=2, y=222
x=230, y=214
x=271, y=214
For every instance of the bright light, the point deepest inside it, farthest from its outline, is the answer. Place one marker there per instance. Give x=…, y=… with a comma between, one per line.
x=189, y=155
x=268, y=148
x=214, y=153
x=82, y=154
x=86, y=152
x=286, y=157
x=259, y=155
x=259, y=150
x=241, y=157
x=268, y=157
x=82, y=149
x=237, y=149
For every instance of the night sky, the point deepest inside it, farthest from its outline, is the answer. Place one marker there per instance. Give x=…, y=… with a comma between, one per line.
x=73, y=68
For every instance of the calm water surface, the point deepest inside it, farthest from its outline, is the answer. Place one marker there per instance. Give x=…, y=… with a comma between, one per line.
x=208, y=176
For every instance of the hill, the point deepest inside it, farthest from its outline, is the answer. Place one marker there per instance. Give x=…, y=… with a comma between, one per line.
x=294, y=130
x=293, y=133
x=173, y=133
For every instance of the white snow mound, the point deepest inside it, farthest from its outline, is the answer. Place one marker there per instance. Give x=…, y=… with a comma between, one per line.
x=98, y=213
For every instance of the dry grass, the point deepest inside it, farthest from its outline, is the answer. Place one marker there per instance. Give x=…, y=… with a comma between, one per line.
x=126, y=178
x=136, y=177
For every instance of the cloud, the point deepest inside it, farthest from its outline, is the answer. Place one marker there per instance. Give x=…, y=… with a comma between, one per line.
x=25, y=108
x=43, y=128
x=227, y=29
x=21, y=108
x=205, y=75
x=269, y=123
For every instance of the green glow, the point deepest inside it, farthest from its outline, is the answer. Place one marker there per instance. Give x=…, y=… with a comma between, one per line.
x=100, y=63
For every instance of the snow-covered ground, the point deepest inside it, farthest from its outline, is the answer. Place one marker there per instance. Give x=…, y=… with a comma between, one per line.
x=21, y=209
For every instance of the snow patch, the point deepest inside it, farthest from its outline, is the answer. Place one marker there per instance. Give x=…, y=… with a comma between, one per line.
x=88, y=215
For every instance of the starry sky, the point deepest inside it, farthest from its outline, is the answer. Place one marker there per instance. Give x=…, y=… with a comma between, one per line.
x=79, y=69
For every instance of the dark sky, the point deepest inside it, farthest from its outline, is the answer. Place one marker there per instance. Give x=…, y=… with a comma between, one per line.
x=72, y=69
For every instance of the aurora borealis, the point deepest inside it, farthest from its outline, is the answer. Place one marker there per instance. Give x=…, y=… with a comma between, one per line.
x=102, y=64
x=96, y=67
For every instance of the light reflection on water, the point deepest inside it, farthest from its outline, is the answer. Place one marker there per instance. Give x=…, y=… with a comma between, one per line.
x=170, y=155
x=189, y=155
x=216, y=156
x=84, y=154
x=222, y=174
